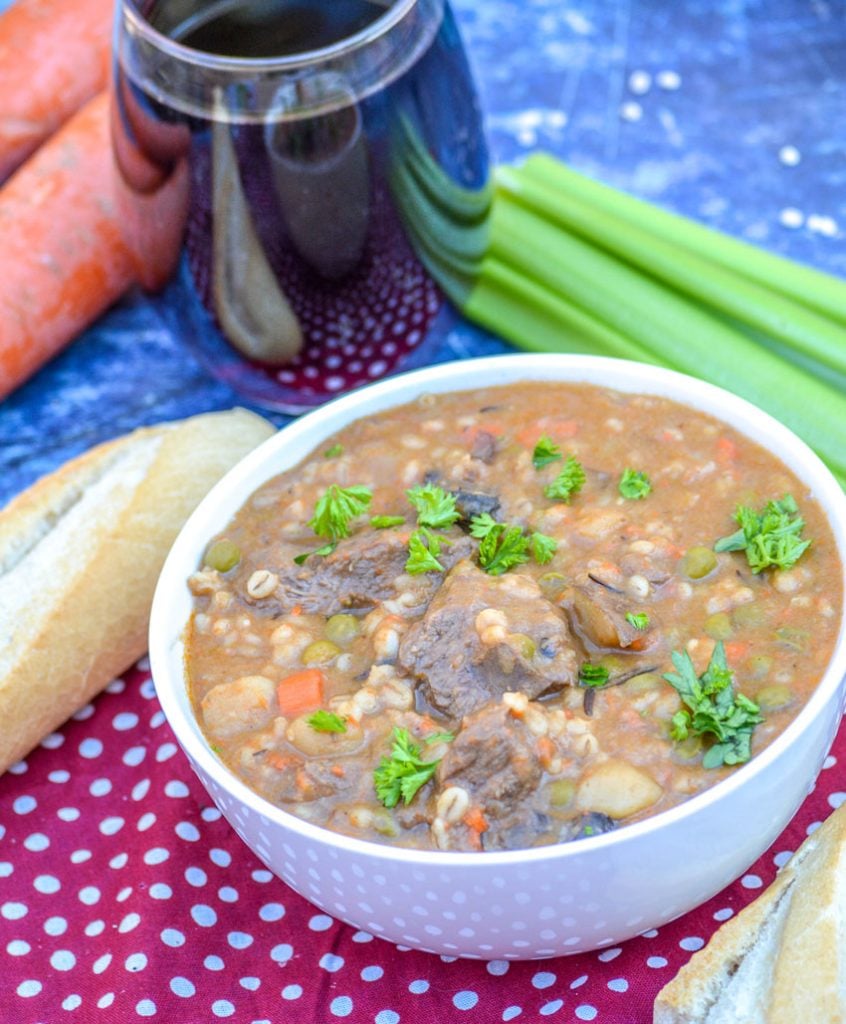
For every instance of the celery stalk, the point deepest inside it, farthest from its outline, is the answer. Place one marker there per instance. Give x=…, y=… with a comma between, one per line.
x=675, y=330
x=818, y=291
x=534, y=318
x=794, y=324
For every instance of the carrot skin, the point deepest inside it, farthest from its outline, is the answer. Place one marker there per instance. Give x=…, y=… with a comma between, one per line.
x=54, y=56
x=63, y=260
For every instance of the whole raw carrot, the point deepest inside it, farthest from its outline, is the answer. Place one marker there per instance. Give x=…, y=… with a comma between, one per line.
x=62, y=259
x=54, y=56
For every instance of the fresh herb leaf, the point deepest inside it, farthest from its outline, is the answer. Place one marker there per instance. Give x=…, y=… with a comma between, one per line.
x=334, y=451
x=502, y=548
x=713, y=709
x=385, y=522
x=592, y=675
x=634, y=484
x=440, y=737
x=770, y=538
x=546, y=451
x=640, y=620
x=435, y=506
x=423, y=549
x=568, y=482
x=337, y=507
x=327, y=721
x=481, y=525
x=327, y=549
x=543, y=547
x=402, y=774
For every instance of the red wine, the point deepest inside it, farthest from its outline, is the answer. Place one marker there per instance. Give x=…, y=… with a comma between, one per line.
x=301, y=222
x=267, y=28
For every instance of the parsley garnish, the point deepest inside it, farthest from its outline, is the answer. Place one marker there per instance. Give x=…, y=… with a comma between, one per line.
x=423, y=550
x=327, y=549
x=435, y=506
x=568, y=482
x=772, y=537
x=546, y=451
x=634, y=484
x=640, y=620
x=592, y=675
x=503, y=547
x=335, y=510
x=327, y=721
x=384, y=522
x=543, y=547
x=403, y=773
x=713, y=709
x=334, y=451
x=481, y=525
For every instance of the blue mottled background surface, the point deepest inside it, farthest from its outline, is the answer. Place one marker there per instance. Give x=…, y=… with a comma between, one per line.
x=731, y=112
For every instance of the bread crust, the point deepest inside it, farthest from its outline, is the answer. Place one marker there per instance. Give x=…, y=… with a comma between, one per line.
x=804, y=981
x=80, y=553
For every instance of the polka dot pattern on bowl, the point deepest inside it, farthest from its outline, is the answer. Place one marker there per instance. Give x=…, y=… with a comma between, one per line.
x=125, y=894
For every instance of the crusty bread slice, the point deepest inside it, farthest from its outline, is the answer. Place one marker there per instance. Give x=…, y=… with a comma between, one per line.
x=80, y=553
x=782, y=959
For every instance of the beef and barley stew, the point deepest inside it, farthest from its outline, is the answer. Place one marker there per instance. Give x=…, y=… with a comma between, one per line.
x=509, y=617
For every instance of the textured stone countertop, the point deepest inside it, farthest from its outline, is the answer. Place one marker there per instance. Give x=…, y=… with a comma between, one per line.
x=729, y=112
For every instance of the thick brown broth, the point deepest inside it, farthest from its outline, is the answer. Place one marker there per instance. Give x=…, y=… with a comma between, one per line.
x=493, y=661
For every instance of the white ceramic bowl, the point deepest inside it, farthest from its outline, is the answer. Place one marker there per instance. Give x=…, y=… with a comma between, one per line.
x=516, y=904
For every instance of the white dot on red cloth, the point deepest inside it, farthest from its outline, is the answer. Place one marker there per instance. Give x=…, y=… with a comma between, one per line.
x=62, y=960
x=691, y=943
x=29, y=988
x=36, y=842
x=185, y=830
x=182, y=987
x=586, y=1012
x=341, y=1006
x=751, y=882
x=331, y=963
x=618, y=985
x=320, y=923
x=272, y=912
x=17, y=947
x=292, y=992
x=543, y=979
x=510, y=1012
x=723, y=914
x=175, y=788
x=465, y=1000
x=203, y=915
x=222, y=1008
x=100, y=787
x=47, y=884
x=145, y=1008
x=134, y=756
x=55, y=926
x=91, y=747
x=24, y=804
x=172, y=937
x=553, y=1007
x=386, y=1017
x=161, y=891
x=656, y=961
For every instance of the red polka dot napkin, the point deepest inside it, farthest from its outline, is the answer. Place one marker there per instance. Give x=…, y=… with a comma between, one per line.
x=125, y=895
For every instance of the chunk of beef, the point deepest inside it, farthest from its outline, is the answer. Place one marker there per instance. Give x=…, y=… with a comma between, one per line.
x=586, y=825
x=296, y=780
x=475, y=503
x=483, y=447
x=598, y=614
x=359, y=573
x=484, y=635
x=493, y=758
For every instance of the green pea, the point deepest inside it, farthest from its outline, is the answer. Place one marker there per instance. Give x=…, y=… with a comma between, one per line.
x=748, y=615
x=342, y=629
x=760, y=666
x=320, y=652
x=698, y=562
x=384, y=824
x=689, y=748
x=523, y=645
x=793, y=639
x=560, y=793
x=644, y=683
x=718, y=626
x=774, y=698
x=223, y=555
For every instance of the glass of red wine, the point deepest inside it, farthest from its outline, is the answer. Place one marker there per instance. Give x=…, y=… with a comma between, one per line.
x=304, y=180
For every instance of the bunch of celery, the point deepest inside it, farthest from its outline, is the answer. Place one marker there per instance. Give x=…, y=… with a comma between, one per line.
x=575, y=266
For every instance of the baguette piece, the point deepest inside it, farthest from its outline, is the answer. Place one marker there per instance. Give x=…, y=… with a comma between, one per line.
x=781, y=960
x=80, y=553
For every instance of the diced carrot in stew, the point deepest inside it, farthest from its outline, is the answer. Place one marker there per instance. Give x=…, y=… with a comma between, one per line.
x=726, y=450
x=474, y=819
x=300, y=692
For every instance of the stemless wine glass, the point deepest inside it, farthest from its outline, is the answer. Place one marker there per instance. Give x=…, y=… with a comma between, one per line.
x=304, y=179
